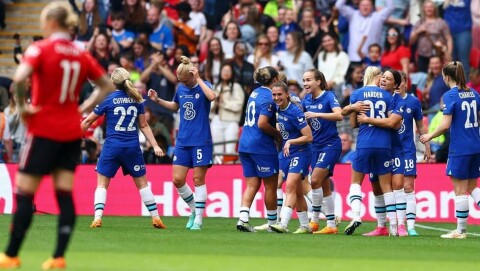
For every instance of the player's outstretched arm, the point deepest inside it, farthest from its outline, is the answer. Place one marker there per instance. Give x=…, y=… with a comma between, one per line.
x=147, y=132
x=172, y=106
x=440, y=130
x=103, y=87
x=87, y=122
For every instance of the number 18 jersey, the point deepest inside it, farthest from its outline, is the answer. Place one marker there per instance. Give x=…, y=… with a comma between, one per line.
x=370, y=136
x=121, y=114
x=253, y=140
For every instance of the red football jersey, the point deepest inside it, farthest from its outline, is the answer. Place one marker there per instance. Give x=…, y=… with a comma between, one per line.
x=59, y=71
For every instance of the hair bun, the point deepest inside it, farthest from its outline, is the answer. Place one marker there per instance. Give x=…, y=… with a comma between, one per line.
x=185, y=60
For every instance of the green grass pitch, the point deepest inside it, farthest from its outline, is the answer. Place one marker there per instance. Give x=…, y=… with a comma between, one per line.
x=130, y=243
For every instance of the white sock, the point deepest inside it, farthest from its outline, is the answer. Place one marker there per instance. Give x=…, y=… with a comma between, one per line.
x=149, y=200
x=185, y=192
x=329, y=211
x=303, y=218
x=476, y=196
x=286, y=215
x=244, y=214
x=461, y=207
x=389, y=199
x=200, y=201
x=309, y=196
x=380, y=211
x=272, y=217
x=99, y=202
x=317, y=199
x=356, y=200
x=400, y=205
x=279, y=201
x=411, y=209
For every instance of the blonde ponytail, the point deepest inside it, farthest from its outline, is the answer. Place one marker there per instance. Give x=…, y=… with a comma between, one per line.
x=121, y=78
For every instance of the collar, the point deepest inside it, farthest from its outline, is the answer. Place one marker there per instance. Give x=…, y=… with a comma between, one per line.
x=60, y=36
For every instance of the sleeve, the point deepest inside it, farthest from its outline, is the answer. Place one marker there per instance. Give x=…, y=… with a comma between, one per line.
x=141, y=107
x=448, y=104
x=95, y=71
x=299, y=121
x=353, y=97
x=100, y=109
x=33, y=56
x=404, y=52
x=399, y=107
x=332, y=101
x=345, y=10
x=417, y=112
x=176, y=98
x=267, y=108
x=386, y=12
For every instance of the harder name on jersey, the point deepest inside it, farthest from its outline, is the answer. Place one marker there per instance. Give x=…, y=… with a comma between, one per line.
x=373, y=94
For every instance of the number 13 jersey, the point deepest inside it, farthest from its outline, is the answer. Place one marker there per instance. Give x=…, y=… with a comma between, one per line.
x=59, y=71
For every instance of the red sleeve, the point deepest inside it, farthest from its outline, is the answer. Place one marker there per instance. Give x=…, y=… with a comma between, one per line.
x=95, y=71
x=404, y=52
x=32, y=56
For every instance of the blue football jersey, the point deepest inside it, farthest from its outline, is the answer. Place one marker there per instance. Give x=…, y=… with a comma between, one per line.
x=194, y=129
x=121, y=114
x=397, y=107
x=412, y=113
x=324, y=131
x=294, y=98
x=464, y=130
x=254, y=140
x=291, y=121
x=380, y=102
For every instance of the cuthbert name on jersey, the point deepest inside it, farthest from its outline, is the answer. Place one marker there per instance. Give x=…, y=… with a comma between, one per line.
x=372, y=94
x=123, y=100
x=466, y=94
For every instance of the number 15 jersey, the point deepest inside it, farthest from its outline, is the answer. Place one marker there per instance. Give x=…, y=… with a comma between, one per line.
x=59, y=71
x=121, y=114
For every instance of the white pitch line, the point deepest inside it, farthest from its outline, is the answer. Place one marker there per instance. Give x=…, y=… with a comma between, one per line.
x=441, y=229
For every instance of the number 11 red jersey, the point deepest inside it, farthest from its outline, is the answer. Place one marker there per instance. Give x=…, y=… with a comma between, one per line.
x=59, y=71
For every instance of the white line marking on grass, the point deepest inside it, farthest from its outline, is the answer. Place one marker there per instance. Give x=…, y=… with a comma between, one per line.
x=441, y=229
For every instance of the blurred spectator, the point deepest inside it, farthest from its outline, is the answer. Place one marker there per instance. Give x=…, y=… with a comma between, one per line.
x=437, y=142
x=15, y=126
x=432, y=37
x=238, y=7
x=262, y=54
x=140, y=55
x=180, y=51
x=272, y=34
x=342, y=25
x=135, y=13
x=158, y=128
x=311, y=30
x=159, y=77
x=459, y=19
x=102, y=47
x=363, y=22
x=474, y=81
x=252, y=24
x=475, y=56
x=123, y=37
x=353, y=81
x=435, y=87
x=226, y=112
x=5, y=140
x=126, y=62
x=214, y=10
x=398, y=18
x=186, y=31
x=396, y=55
x=333, y=62
x=230, y=35
x=295, y=61
x=90, y=154
x=150, y=157
x=199, y=20
x=295, y=90
x=373, y=58
x=89, y=18
x=102, y=7
x=4, y=98
x=288, y=26
x=162, y=34
x=215, y=57
x=272, y=7
x=347, y=153
x=243, y=72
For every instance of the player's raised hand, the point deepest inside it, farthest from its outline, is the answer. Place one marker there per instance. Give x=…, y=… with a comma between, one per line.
x=152, y=94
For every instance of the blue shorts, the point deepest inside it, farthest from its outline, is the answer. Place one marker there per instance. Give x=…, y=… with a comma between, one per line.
x=298, y=162
x=375, y=161
x=193, y=156
x=129, y=158
x=398, y=162
x=326, y=158
x=259, y=165
x=410, y=159
x=464, y=167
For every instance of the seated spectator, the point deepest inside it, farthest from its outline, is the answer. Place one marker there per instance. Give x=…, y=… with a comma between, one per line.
x=186, y=31
x=347, y=153
x=226, y=112
x=89, y=19
x=289, y=26
x=374, y=53
x=272, y=34
x=262, y=54
x=435, y=87
x=333, y=62
x=474, y=81
x=161, y=37
x=103, y=48
x=126, y=62
x=295, y=61
x=230, y=35
x=215, y=58
x=396, y=55
x=123, y=37
x=140, y=55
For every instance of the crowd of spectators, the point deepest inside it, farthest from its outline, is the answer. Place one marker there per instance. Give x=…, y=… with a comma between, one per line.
x=228, y=39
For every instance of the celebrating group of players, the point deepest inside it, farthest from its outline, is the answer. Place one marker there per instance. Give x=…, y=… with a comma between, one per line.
x=306, y=135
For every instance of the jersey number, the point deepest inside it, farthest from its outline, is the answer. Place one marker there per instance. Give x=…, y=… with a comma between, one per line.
x=250, y=117
x=381, y=107
x=473, y=106
x=71, y=71
x=131, y=111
